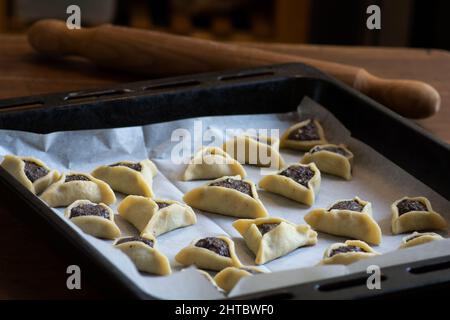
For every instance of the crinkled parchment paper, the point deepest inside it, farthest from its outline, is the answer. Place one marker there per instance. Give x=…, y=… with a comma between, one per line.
x=375, y=179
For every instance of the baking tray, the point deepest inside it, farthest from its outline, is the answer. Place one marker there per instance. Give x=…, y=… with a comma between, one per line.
x=273, y=89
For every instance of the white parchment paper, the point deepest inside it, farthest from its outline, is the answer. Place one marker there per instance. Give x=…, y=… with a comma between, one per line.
x=375, y=179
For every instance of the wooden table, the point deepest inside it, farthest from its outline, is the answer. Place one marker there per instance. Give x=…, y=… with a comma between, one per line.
x=33, y=262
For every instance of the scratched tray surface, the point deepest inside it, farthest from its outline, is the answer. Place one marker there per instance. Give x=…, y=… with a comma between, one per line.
x=267, y=90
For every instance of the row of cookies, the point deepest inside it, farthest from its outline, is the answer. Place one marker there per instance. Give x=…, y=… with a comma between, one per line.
x=263, y=151
x=87, y=198
x=97, y=220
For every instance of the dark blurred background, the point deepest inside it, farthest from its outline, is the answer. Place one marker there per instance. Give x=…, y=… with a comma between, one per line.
x=411, y=23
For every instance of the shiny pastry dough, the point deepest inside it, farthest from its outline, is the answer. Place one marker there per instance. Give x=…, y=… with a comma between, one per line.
x=212, y=163
x=207, y=259
x=418, y=238
x=61, y=193
x=145, y=215
x=291, y=189
x=145, y=258
x=331, y=162
x=127, y=180
x=228, y=278
x=16, y=167
x=347, y=223
x=283, y=238
x=286, y=142
x=226, y=201
x=262, y=151
x=416, y=220
x=94, y=225
x=348, y=257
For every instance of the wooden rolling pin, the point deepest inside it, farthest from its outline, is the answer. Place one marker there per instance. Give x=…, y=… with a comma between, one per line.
x=161, y=54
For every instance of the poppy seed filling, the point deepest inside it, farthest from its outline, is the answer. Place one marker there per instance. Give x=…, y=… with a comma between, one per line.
x=162, y=205
x=89, y=210
x=139, y=239
x=408, y=205
x=76, y=177
x=266, y=227
x=134, y=166
x=301, y=175
x=337, y=150
x=307, y=132
x=345, y=249
x=33, y=171
x=216, y=245
x=351, y=205
x=238, y=185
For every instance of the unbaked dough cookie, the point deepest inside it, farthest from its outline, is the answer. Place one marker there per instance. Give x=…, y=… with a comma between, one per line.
x=212, y=163
x=348, y=252
x=228, y=278
x=415, y=214
x=347, y=218
x=303, y=135
x=261, y=151
x=270, y=238
x=129, y=177
x=142, y=251
x=30, y=172
x=211, y=253
x=78, y=186
x=330, y=158
x=230, y=196
x=154, y=217
x=418, y=238
x=298, y=182
x=94, y=219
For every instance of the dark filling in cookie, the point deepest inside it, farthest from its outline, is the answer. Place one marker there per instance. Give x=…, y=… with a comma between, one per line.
x=345, y=249
x=89, y=210
x=351, y=205
x=140, y=239
x=333, y=149
x=299, y=174
x=134, y=166
x=76, y=177
x=308, y=132
x=407, y=205
x=33, y=171
x=215, y=245
x=238, y=185
x=162, y=205
x=266, y=227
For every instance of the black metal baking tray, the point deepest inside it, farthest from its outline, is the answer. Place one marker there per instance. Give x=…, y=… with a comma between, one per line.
x=272, y=89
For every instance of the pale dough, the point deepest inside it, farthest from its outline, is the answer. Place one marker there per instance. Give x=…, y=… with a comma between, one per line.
x=262, y=151
x=416, y=220
x=212, y=163
x=61, y=193
x=279, y=241
x=206, y=259
x=331, y=162
x=15, y=166
x=146, y=258
x=96, y=226
x=226, y=201
x=127, y=180
x=347, y=223
x=291, y=189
